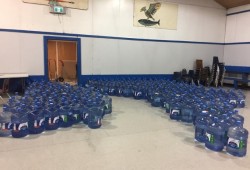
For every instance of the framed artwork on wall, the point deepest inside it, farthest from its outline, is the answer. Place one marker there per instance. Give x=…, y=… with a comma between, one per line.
x=77, y=4
x=155, y=14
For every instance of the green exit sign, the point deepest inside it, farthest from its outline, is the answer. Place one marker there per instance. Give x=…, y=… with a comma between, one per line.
x=57, y=9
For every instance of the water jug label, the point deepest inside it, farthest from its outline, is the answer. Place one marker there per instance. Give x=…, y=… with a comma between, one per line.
x=75, y=116
x=56, y=119
x=36, y=124
x=41, y=122
x=5, y=126
x=22, y=126
x=15, y=127
x=242, y=101
x=99, y=122
x=210, y=137
x=137, y=94
x=50, y=120
x=235, y=143
x=64, y=118
x=232, y=101
x=175, y=111
x=86, y=115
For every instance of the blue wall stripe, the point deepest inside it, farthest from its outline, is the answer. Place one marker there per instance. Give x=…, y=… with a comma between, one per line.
x=237, y=43
x=240, y=12
x=238, y=69
x=107, y=37
x=118, y=38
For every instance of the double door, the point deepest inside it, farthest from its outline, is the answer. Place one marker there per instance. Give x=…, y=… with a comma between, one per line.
x=62, y=61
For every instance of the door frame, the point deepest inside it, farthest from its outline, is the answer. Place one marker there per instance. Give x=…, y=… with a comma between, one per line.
x=78, y=46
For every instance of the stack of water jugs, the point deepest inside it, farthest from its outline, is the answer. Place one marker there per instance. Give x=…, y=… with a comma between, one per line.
x=211, y=110
x=49, y=106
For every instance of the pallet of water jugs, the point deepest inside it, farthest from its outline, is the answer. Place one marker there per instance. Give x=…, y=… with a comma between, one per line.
x=48, y=106
x=219, y=131
x=211, y=110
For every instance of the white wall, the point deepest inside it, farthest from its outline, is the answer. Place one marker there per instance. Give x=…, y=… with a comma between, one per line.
x=198, y=20
x=140, y=57
x=238, y=31
x=21, y=53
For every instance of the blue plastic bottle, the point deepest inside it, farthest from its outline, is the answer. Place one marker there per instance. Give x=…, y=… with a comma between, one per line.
x=237, y=118
x=65, y=116
x=36, y=122
x=19, y=125
x=237, y=140
x=111, y=91
x=127, y=92
x=215, y=136
x=233, y=100
x=226, y=122
x=241, y=100
x=118, y=91
x=167, y=104
x=107, y=104
x=5, y=124
x=201, y=123
x=138, y=94
x=51, y=118
x=77, y=114
x=86, y=111
x=95, y=117
x=156, y=101
x=187, y=113
x=175, y=112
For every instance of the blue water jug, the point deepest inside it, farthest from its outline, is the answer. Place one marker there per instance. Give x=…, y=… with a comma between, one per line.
x=111, y=91
x=86, y=111
x=237, y=140
x=138, y=94
x=187, y=114
x=226, y=122
x=95, y=117
x=215, y=136
x=5, y=124
x=156, y=100
x=118, y=91
x=127, y=92
x=66, y=115
x=236, y=117
x=107, y=104
x=51, y=116
x=167, y=104
x=201, y=124
x=77, y=112
x=175, y=112
x=36, y=122
x=19, y=125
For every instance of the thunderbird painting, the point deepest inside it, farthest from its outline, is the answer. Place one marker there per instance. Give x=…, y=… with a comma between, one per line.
x=77, y=4
x=155, y=14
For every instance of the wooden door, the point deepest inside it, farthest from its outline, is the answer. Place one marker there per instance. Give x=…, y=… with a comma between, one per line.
x=62, y=60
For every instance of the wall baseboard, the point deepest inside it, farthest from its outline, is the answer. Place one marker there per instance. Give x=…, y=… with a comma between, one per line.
x=85, y=78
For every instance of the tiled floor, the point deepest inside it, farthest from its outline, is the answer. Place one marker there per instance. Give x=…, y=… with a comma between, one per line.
x=135, y=137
